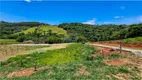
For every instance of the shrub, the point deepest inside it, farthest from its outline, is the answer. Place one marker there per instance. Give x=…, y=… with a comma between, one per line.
x=81, y=39
x=20, y=38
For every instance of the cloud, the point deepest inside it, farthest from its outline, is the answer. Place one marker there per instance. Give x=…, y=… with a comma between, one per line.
x=38, y=0
x=116, y=17
x=119, y=20
x=32, y=0
x=139, y=18
x=92, y=22
x=128, y=20
x=122, y=7
x=107, y=22
x=28, y=0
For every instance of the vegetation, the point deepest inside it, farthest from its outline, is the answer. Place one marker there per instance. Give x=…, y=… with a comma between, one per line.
x=133, y=40
x=73, y=32
x=7, y=51
x=8, y=41
x=73, y=62
x=72, y=53
x=103, y=32
x=54, y=29
x=8, y=28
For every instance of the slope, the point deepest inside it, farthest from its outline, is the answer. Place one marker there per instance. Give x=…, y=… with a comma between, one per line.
x=54, y=29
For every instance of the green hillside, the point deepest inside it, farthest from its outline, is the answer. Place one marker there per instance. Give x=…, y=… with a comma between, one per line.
x=54, y=29
x=133, y=40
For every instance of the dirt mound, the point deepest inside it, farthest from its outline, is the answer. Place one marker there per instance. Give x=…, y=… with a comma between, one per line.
x=106, y=51
x=24, y=72
x=116, y=62
x=82, y=71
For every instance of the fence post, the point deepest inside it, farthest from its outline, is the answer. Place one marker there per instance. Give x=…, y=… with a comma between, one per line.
x=35, y=66
x=0, y=63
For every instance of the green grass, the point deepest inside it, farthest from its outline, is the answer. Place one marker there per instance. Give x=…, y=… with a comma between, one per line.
x=97, y=69
x=72, y=53
x=133, y=40
x=65, y=64
x=54, y=29
x=8, y=41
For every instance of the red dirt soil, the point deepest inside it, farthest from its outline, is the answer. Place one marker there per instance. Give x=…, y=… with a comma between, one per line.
x=107, y=52
x=128, y=45
x=116, y=62
x=24, y=72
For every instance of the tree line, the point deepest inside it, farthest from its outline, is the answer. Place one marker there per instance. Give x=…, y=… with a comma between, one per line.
x=76, y=32
x=103, y=32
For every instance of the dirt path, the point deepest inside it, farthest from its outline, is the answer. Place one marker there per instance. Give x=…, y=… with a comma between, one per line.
x=137, y=46
x=136, y=52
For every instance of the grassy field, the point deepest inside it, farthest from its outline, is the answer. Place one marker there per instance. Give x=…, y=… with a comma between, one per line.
x=7, y=51
x=73, y=63
x=133, y=40
x=72, y=53
x=8, y=41
x=54, y=29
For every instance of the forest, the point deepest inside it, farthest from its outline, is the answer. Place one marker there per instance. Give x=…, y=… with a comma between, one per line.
x=76, y=32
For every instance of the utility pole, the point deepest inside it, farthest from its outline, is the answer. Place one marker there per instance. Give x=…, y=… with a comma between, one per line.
x=120, y=43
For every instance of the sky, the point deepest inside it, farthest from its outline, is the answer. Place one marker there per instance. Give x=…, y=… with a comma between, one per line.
x=56, y=12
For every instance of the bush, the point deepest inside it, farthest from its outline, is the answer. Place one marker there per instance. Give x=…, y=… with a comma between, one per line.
x=81, y=39
x=53, y=39
x=20, y=38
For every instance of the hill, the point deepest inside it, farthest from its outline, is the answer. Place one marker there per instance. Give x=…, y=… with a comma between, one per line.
x=54, y=29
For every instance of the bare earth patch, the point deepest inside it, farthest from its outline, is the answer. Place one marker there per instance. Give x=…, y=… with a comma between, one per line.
x=82, y=71
x=24, y=72
x=127, y=45
x=116, y=62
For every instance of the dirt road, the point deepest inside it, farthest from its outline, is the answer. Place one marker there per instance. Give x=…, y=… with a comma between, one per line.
x=136, y=52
